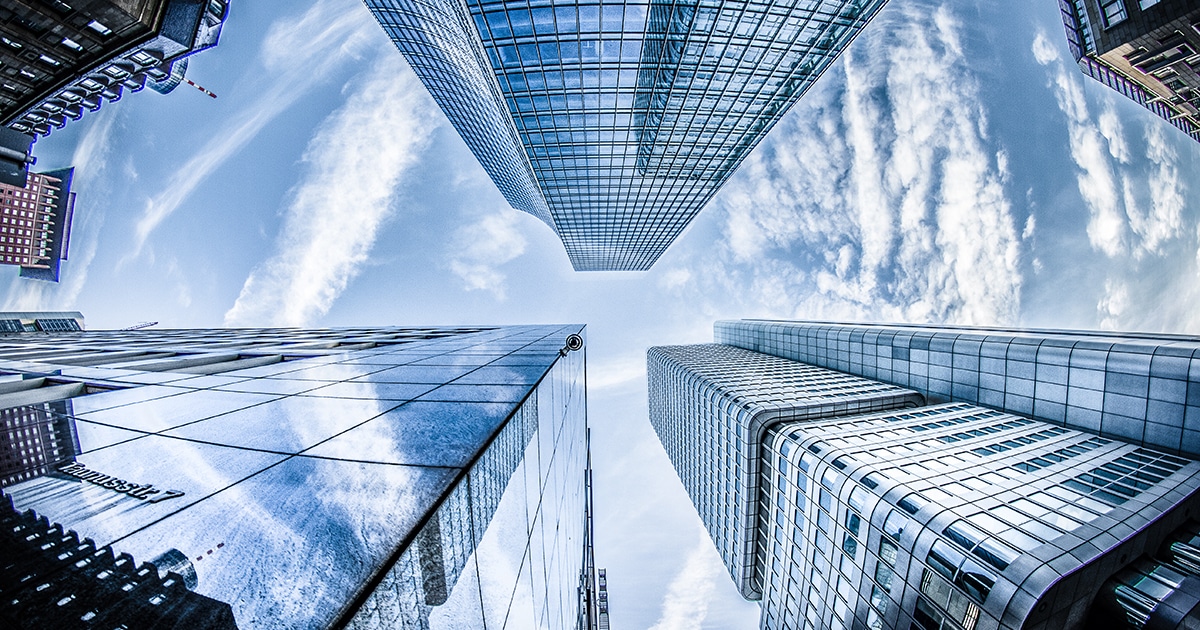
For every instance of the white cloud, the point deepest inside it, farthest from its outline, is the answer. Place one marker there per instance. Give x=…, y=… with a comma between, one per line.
x=480, y=248
x=1135, y=197
x=1092, y=148
x=675, y=278
x=355, y=162
x=297, y=55
x=1113, y=305
x=617, y=372
x=686, y=604
x=1110, y=178
x=882, y=195
x=1164, y=221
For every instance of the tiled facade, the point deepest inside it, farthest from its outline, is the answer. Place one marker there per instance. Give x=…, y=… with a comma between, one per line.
x=616, y=122
x=711, y=405
x=365, y=477
x=953, y=516
x=950, y=515
x=1140, y=388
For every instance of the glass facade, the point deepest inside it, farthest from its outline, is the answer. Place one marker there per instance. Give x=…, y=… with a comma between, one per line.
x=942, y=513
x=284, y=478
x=616, y=122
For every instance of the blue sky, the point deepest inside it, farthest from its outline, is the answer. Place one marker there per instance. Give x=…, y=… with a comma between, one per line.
x=953, y=166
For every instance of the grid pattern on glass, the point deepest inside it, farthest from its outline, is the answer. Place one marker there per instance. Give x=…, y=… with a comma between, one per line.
x=346, y=477
x=441, y=46
x=542, y=451
x=1126, y=477
x=1140, y=388
x=1078, y=27
x=710, y=405
x=983, y=515
x=631, y=114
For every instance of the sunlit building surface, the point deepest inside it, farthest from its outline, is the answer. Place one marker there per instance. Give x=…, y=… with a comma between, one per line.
x=287, y=478
x=934, y=512
x=615, y=123
x=61, y=59
x=1144, y=49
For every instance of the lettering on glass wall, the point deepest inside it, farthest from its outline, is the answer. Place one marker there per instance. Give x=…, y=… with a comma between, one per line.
x=146, y=492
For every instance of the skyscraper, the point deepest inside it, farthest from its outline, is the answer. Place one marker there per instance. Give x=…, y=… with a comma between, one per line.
x=1144, y=49
x=909, y=505
x=35, y=223
x=285, y=478
x=615, y=123
x=60, y=59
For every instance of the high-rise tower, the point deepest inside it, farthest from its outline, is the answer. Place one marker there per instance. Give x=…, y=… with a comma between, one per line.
x=1144, y=49
x=908, y=505
x=616, y=122
x=285, y=478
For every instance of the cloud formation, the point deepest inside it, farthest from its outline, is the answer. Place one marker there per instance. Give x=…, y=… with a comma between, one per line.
x=480, y=248
x=356, y=161
x=685, y=606
x=1135, y=198
x=1131, y=211
x=881, y=196
x=297, y=55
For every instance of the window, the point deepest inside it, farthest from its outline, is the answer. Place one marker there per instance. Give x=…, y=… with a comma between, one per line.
x=913, y=503
x=99, y=28
x=1113, y=12
x=1146, y=4
x=990, y=550
x=894, y=525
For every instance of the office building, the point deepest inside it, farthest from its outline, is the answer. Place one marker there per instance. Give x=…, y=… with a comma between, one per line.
x=1144, y=49
x=59, y=59
x=40, y=321
x=615, y=123
x=911, y=506
x=35, y=223
x=1140, y=388
x=287, y=478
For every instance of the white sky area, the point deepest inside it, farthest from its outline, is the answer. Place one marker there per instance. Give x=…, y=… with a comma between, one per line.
x=954, y=166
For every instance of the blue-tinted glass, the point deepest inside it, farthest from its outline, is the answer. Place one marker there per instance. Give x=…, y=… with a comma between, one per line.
x=674, y=95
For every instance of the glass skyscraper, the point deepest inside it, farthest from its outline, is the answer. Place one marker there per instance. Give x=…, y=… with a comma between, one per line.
x=920, y=502
x=616, y=122
x=286, y=478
